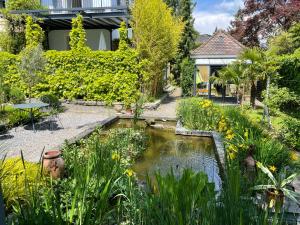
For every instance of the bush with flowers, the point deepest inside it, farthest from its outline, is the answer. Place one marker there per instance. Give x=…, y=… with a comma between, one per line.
x=241, y=136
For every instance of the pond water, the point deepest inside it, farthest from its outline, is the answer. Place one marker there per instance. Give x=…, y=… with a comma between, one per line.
x=166, y=151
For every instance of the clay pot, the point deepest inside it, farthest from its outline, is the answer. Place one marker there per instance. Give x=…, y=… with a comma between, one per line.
x=53, y=164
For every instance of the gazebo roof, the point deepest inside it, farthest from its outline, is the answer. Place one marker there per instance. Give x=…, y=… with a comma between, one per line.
x=220, y=45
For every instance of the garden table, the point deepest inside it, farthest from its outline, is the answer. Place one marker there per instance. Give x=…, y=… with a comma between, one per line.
x=31, y=107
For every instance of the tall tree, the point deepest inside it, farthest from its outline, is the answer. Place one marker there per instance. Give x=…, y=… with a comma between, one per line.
x=260, y=19
x=156, y=35
x=184, y=10
x=251, y=59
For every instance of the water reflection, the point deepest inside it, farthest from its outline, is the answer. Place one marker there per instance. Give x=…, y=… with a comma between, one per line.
x=166, y=151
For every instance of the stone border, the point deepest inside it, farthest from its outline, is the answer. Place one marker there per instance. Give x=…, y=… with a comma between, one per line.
x=91, y=128
x=217, y=138
x=147, y=105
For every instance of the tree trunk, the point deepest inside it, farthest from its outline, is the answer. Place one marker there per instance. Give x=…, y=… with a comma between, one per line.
x=253, y=94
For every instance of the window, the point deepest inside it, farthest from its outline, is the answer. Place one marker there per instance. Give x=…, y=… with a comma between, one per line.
x=76, y=4
x=2, y=3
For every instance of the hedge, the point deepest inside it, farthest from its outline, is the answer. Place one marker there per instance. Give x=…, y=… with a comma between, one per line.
x=90, y=75
x=289, y=72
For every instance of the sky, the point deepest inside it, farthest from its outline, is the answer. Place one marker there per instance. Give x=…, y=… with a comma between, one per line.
x=210, y=14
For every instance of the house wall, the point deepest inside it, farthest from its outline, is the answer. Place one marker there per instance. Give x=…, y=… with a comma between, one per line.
x=59, y=39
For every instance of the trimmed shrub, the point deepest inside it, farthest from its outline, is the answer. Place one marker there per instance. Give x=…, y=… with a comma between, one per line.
x=89, y=75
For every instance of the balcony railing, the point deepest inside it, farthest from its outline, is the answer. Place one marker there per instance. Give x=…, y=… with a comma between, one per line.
x=69, y=4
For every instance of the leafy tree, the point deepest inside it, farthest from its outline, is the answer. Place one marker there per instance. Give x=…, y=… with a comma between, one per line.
x=157, y=35
x=262, y=18
x=23, y=4
x=252, y=58
x=281, y=44
x=173, y=4
x=184, y=10
x=295, y=35
x=13, y=40
x=77, y=34
x=32, y=62
x=187, y=68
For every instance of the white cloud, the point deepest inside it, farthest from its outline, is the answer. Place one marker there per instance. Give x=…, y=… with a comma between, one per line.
x=206, y=22
x=233, y=5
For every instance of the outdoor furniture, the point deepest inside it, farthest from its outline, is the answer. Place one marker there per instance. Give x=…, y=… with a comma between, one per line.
x=31, y=107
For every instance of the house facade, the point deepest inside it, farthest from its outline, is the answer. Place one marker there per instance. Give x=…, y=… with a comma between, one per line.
x=218, y=51
x=102, y=18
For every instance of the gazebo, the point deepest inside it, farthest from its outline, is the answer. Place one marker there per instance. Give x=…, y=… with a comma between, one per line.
x=217, y=52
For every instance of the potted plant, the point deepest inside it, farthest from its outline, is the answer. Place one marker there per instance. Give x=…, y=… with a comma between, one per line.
x=278, y=190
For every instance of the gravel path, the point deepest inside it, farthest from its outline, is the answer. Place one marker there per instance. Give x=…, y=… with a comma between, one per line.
x=74, y=120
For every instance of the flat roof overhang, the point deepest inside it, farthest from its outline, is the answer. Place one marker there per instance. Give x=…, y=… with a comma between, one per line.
x=94, y=18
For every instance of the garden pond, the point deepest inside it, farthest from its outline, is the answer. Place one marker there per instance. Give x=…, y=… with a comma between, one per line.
x=167, y=151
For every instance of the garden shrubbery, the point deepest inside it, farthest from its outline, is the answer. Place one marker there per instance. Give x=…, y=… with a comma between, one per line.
x=242, y=137
x=88, y=75
x=16, y=178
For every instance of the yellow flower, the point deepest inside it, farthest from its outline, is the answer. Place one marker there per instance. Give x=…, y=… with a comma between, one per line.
x=115, y=156
x=294, y=156
x=129, y=172
x=272, y=168
x=229, y=135
x=206, y=104
x=232, y=148
x=232, y=155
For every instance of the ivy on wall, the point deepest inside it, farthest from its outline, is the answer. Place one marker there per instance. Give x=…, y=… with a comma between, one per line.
x=88, y=75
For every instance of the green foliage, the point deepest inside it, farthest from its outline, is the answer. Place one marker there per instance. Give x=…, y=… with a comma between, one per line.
x=16, y=177
x=175, y=205
x=101, y=76
x=89, y=75
x=16, y=95
x=77, y=34
x=94, y=192
x=34, y=34
x=289, y=72
x=198, y=114
x=281, y=44
x=156, y=35
x=51, y=99
x=295, y=35
x=23, y=4
x=123, y=45
x=240, y=134
x=291, y=132
x=187, y=69
x=32, y=63
x=282, y=99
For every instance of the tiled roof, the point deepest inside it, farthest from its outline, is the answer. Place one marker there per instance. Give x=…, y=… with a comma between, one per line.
x=221, y=43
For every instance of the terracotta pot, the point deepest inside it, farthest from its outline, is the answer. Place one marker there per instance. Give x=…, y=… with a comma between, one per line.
x=53, y=164
x=279, y=197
